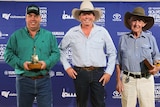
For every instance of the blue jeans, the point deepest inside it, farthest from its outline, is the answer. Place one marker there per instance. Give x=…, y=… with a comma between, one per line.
x=28, y=89
x=88, y=82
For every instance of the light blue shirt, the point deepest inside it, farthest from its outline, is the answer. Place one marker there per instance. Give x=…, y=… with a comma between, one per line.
x=89, y=51
x=132, y=51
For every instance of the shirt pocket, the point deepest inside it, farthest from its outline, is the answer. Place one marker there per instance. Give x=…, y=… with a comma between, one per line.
x=44, y=51
x=77, y=44
x=97, y=44
x=146, y=51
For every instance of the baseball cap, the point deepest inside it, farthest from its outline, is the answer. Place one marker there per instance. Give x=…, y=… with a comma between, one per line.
x=32, y=9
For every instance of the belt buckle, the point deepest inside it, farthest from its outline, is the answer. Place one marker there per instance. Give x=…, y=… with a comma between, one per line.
x=37, y=77
x=33, y=78
x=134, y=76
x=137, y=76
x=91, y=68
x=88, y=68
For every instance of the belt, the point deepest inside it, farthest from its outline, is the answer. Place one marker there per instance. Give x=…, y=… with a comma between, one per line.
x=145, y=75
x=90, y=68
x=36, y=77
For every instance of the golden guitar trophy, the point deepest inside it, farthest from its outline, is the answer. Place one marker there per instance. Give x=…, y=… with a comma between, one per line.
x=34, y=65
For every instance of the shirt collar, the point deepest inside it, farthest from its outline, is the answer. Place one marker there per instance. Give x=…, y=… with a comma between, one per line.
x=28, y=31
x=143, y=34
x=95, y=27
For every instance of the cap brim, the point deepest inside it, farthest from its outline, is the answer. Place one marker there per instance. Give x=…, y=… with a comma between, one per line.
x=33, y=11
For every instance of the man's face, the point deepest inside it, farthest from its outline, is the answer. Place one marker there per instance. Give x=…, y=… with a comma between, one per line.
x=86, y=18
x=137, y=23
x=33, y=21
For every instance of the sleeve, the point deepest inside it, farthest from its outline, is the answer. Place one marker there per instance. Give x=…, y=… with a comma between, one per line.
x=64, y=46
x=118, y=61
x=155, y=53
x=11, y=55
x=111, y=54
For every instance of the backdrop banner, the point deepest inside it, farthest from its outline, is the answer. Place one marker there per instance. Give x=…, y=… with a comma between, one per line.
x=57, y=17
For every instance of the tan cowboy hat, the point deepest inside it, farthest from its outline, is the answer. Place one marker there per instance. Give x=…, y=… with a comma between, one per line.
x=139, y=11
x=86, y=6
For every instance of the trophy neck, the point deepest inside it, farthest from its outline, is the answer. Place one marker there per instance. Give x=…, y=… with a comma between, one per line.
x=34, y=50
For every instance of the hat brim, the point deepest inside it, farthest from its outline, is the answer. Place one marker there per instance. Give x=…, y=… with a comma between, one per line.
x=97, y=13
x=148, y=20
x=33, y=11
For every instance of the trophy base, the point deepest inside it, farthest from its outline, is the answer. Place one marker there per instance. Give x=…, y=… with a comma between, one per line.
x=35, y=66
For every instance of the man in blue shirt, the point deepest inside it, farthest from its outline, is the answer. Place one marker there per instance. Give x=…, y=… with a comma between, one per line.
x=134, y=48
x=22, y=45
x=89, y=44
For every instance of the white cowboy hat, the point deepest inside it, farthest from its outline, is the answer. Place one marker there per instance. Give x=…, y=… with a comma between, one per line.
x=86, y=6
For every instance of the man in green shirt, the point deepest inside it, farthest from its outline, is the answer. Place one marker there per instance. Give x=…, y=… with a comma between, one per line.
x=22, y=45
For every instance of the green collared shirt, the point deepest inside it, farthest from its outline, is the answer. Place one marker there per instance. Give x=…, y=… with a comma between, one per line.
x=20, y=49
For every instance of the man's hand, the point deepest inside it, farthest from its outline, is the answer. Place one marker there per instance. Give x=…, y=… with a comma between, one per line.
x=154, y=70
x=119, y=86
x=43, y=64
x=25, y=65
x=71, y=72
x=105, y=78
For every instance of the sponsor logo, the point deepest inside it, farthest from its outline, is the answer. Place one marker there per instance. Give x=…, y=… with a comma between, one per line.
x=57, y=73
x=121, y=33
x=2, y=49
x=101, y=21
x=116, y=17
x=2, y=35
x=8, y=16
x=10, y=73
x=157, y=92
x=116, y=95
x=155, y=13
x=58, y=34
x=8, y=94
x=66, y=94
x=66, y=16
x=43, y=13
